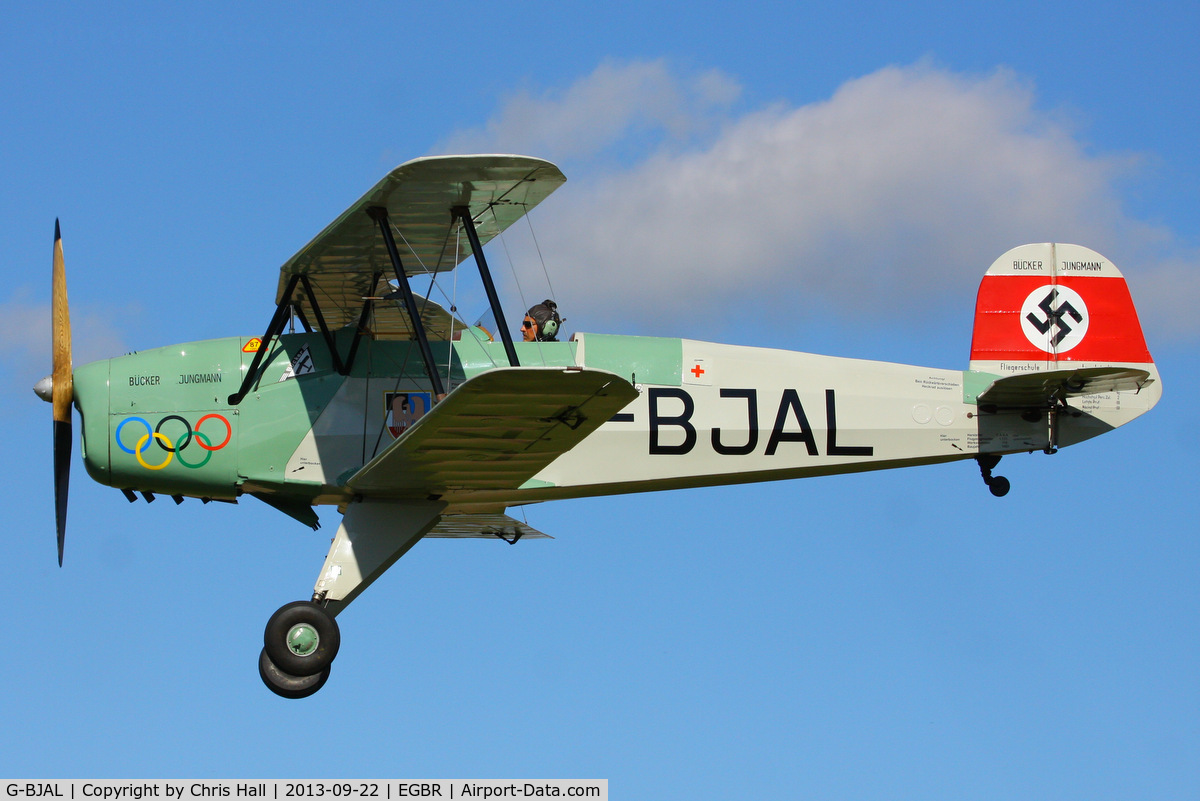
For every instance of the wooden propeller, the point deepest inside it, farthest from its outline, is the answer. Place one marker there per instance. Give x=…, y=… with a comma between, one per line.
x=62, y=392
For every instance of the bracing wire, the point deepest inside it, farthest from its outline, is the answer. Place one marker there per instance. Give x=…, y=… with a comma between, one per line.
x=408, y=351
x=449, y=301
x=538, y=248
x=511, y=266
x=520, y=291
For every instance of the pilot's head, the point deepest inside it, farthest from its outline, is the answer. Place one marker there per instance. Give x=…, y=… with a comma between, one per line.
x=541, y=322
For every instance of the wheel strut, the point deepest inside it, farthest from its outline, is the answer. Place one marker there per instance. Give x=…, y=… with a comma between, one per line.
x=999, y=485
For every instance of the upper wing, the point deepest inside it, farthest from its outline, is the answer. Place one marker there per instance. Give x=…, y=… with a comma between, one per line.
x=495, y=431
x=1032, y=390
x=344, y=262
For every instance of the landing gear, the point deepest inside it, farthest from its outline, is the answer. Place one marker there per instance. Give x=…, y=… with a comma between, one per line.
x=285, y=684
x=999, y=485
x=299, y=644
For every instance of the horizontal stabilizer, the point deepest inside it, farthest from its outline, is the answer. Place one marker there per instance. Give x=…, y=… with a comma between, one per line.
x=495, y=432
x=1041, y=389
x=484, y=527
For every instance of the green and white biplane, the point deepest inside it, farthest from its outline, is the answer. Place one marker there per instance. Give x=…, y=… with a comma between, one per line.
x=415, y=424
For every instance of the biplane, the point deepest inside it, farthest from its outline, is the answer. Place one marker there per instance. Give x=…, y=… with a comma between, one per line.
x=415, y=424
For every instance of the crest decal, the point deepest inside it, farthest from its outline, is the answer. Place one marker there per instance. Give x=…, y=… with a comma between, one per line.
x=301, y=364
x=405, y=408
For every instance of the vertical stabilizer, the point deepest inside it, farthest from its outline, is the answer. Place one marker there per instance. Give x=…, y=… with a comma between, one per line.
x=1057, y=335
x=1051, y=307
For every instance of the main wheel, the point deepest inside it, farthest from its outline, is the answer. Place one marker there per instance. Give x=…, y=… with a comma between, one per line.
x=285, y=684
x=301, y=639
x=999, y=486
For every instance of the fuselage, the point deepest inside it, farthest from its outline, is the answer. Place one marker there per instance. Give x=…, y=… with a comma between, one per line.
x=161, y=420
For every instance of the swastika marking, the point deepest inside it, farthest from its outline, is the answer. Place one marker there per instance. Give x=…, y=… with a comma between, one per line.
x=1054, y=318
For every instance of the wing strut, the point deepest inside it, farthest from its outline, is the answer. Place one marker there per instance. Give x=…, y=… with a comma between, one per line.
x=274, y=329
x=380, y=215
x=463, y=213
x=363, y=316
x=329, y=342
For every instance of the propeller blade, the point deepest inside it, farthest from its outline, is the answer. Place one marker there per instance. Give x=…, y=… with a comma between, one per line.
x=62, y=391
x=62, y=478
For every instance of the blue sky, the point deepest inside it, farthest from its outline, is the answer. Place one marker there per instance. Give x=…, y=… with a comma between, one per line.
x=832, y=180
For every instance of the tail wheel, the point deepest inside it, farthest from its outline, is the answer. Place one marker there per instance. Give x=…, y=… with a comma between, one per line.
x=285, y=684
x=999, y=485
x=301, y=639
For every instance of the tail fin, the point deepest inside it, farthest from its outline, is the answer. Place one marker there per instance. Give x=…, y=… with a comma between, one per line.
x=1056, y=330
x=1052, y=306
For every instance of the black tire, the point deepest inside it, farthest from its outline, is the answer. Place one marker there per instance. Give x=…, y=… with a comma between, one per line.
x=285, y=684
x=999, y=486
x=309, y=619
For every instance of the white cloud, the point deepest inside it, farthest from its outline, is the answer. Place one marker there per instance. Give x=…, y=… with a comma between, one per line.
x=892, y=196
x=613, y=102
x=1166, y=294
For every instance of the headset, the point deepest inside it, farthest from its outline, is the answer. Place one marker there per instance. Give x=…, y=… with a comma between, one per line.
x=548, y=328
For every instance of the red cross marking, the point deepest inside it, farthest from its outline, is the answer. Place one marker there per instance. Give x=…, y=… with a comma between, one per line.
x=697, y=371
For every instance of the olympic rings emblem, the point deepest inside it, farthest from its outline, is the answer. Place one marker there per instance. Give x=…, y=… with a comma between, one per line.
x=173, y=450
